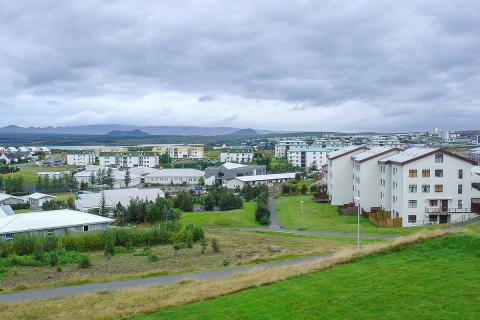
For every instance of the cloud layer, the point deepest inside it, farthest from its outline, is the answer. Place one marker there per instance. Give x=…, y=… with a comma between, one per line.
x=284, y=65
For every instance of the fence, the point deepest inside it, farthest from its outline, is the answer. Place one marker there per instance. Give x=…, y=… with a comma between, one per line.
x=383, y=220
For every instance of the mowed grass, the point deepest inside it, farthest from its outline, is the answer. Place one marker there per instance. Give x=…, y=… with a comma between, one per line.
x=28, y=171
x=324, y=217
x=437, y=279
x=242, y=218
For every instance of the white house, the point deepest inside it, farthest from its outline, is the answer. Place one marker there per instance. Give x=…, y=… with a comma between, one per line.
x=340, y=174
x=89, y=202
x=306, y=157
x=128, y=159
x=366, y=173
x=56, y=222
x=426, y=186
x=36, y=200
x=6, y=199
x=282, y=147
x=236, y=155
x=53, y=174
x=270, y=180
x=175, y=177
x=81, y=158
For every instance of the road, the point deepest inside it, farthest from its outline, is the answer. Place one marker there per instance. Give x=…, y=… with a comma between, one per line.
x=159, y=280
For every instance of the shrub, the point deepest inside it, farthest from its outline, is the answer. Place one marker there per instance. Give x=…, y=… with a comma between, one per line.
x=120, y=250
x=53, y=258
x=84, y=262
x=59, y=268
x=215, y=245
x=153, y=258
x=204, y=245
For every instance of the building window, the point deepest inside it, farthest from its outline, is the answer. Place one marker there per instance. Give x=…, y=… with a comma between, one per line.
x=460, y=204
x=85, y=228
x=460, y=189
x=50, y=233
x=439, y=173
x=432, y=218
x=412, y=173
x=426, y=173
x=412, y=188
x=425, y=188
x=439, y=188
x=412, y=203
x=460, y=174
x=433, y=203
x=412, y=218
x=439, y=158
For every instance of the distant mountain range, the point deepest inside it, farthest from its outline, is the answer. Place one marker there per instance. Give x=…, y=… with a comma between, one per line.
x=127, y=130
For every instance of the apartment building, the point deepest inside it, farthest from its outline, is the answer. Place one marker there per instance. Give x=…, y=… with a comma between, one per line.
x=365, y=176
x=175, y=177
x=81, y=158
x=128, y=159
x=426, y=186
x=236, y=155
x=340, y=174
x=282, y=147
x=181, y=151
x=307, y=157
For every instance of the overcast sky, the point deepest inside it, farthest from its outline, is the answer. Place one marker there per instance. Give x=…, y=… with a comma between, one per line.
x=283, y=65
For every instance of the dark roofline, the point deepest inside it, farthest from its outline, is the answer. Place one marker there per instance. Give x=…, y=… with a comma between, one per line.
x=348, y=152
x=439, y=150
x=380, y=154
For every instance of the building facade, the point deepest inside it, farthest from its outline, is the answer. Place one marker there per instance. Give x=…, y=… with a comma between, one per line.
x=175, y=177
x=128, y=160
x=307, y=157
x=181, y=151
x=81, y=158
x=236, y=155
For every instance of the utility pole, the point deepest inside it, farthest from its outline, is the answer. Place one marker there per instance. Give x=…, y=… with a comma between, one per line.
x=301, y=205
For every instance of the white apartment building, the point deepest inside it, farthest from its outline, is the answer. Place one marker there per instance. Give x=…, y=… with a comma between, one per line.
x=282, y=147
x=236, y=156
x=365, y=176
x=80, y=158
x=181, y=151
x=426, y=186
x=128, y=159
x=340, y=174
x=306, y=157
x=175, y=177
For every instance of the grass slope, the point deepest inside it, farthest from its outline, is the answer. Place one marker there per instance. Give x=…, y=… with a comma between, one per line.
x=243, y=218
x=437, y=279
x=324, y=217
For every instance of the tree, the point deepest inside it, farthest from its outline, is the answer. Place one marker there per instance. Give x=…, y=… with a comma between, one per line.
x=109, y=178
x=184, y=201
x=201, y=181
x=303, y=189
x=127, y=178
x=102, y=206
x=209, y=202
x=313, y=166
x=119, y=213
x=91, y=180
x=165, y=158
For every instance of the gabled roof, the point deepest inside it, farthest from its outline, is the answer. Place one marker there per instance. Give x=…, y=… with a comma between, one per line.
x=41, y=220
x=373, y=153
x=4, y=196
x=231, y=165
x=344, y=151
x=263, y=177
x=414, y=154
x=38, y=195
x=6, y=211
x=176, y=173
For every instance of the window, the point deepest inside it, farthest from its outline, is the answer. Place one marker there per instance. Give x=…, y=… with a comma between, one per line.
x=85, y=228
x=426, y=173
x=460, y=189
x=412, y=188
x=460, y=174
x=412, y=218
x=412, y=203
x=50, y=232
x=460, y=204
x=433, y=203
x=438, y=173
x=432, y=218
x=412, y=173
x=439, y=188
x=439, y=158
x=425, y=188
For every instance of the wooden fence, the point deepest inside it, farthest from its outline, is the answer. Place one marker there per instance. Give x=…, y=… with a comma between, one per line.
x=383, y=219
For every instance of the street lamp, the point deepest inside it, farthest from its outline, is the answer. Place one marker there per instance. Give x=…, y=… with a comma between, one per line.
x=301, y=205
x=357, y=201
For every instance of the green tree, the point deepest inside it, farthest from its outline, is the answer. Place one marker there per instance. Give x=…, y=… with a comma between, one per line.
x=127, y=180
x=102, y=205
x=184, y=201
x=201, y=181
x=92, y=180
x=119, y=212
x=109, y=178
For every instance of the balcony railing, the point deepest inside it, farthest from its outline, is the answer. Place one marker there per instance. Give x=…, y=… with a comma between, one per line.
x=446, y=210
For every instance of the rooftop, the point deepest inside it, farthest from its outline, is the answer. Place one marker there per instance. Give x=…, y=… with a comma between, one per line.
x=313, y=149
x=373, y=153
x=41, y=220
x=345, y=151
x=262, y=177
x=176, y=173
x=38, y=195
x=409, y=154
x=231, y=165
x=112, y=197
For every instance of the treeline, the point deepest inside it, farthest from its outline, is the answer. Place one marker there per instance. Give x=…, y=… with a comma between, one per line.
x=262, y=214
x=222, y=198
x=63, y=183
x=57, y=204
x=142, y=211
x=103, y=177
x=5, y=169
x=13, y=185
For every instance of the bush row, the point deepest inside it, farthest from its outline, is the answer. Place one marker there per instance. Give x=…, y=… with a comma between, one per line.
x=262, y=214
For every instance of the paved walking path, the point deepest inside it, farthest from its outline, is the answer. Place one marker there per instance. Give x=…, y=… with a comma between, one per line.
x=274, y=222
x=159, y=280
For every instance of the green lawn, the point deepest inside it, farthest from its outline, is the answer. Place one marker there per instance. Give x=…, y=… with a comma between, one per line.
x=437, y=279
x=242, y=218
x=29, y=171
x=324, y=217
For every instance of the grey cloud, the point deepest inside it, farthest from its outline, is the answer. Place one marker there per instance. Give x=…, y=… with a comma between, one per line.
x=413, y=61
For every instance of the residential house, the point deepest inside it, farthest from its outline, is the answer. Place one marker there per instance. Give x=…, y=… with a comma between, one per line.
x=46, y=223
x=6, y=199
x=271, y=180
x=236, y=155
x=36, y=200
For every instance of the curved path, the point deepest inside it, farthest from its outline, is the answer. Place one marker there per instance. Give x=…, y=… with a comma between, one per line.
x=159, y=280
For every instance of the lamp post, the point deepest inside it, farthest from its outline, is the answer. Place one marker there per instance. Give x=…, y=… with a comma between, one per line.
x=357, y=200
x=301, y=206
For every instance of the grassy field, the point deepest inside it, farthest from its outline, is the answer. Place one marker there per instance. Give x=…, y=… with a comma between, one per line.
x=242, y=218
x=437, y=279
x=212, y=155
x=29, y=171
x=237, y=248
x=324, y=217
